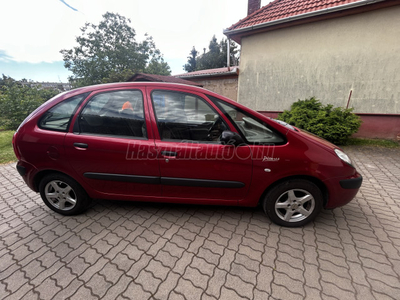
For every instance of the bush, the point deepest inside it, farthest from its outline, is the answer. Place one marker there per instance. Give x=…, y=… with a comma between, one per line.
x=17, y=102
x=333, y=124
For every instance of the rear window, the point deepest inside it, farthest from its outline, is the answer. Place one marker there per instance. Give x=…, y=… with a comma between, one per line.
x=58, y=118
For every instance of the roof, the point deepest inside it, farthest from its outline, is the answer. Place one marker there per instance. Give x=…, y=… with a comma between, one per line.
x=281, y=11
x=160, y=78
x=234, y=70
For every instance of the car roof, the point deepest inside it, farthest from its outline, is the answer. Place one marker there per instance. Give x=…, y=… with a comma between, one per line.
x=133, y=84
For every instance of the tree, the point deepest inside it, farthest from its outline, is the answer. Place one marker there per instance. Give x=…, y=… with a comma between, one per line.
x=191, y=65
x=216, y=57
x=109, y=52
x=17, y=101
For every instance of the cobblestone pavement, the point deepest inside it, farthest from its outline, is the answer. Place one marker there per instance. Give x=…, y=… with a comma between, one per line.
x=121, y=250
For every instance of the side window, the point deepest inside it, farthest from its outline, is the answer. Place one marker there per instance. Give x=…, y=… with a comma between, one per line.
x=186, y=117
x=59, y=117
x=117, y=113
x=254, y=130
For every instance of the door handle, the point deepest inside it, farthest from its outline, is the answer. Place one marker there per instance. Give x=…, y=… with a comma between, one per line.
x=169, y=153
x=81, y=145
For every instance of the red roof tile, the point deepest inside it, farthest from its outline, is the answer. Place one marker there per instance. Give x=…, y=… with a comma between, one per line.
x=280, y=9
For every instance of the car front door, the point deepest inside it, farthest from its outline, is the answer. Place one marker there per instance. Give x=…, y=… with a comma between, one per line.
x=193, y=162
x=111, y=147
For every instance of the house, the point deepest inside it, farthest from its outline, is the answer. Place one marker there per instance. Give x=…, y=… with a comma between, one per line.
x=160, y=78
x=343, y=52
x=223, y=81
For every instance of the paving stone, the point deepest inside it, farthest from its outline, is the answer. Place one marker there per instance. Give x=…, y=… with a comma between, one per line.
x=118, y=288
x=48, y=289
x=216, y=282
x=198, y=279
x=166, y=259
x=246, y=275
x=111, y=273
x=202, y=266
x=167, y=286
x=157, y=270
x=231, y=294
x=242, y=288
x=15, y=281
x=265, y=279
x=63, y=277
x=188, y=290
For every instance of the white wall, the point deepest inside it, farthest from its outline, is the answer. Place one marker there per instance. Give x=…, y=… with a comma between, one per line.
x=325, y=59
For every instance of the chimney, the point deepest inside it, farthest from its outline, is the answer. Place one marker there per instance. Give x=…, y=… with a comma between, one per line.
x=252, y=6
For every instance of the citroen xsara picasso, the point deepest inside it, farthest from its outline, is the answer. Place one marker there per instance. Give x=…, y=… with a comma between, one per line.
x=176, y=143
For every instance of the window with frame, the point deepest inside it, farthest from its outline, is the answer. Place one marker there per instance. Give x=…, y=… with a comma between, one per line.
x=58, y=118
x=186, y=117
x=115, y=113
x=253, y=130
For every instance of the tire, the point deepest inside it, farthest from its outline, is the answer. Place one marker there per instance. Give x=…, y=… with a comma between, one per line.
x=63, y=195
x=293, y=203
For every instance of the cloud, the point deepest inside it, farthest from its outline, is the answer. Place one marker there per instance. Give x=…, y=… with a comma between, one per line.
x=68, y=5
x=4, y=57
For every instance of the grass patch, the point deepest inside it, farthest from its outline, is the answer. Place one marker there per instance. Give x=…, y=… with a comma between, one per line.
x=372, y=142
x=6, y=149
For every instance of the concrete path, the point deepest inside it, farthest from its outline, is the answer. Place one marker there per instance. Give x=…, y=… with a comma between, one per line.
x=120, y=250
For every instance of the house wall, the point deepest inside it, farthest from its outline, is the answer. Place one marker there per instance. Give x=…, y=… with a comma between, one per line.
x=325, y=59
x=225, y=86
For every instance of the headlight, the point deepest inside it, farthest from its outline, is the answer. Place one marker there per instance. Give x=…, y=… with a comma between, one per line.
x=343, y=156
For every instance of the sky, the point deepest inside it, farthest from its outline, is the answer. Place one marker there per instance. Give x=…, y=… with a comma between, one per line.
x=34, y=31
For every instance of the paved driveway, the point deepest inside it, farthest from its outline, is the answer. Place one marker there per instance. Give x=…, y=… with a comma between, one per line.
x=152, y=251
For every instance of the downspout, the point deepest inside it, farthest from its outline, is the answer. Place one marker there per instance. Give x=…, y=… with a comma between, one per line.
x=228, y=57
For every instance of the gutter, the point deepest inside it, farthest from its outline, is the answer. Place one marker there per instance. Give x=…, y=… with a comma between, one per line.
x=324, y=11
x=233, y=71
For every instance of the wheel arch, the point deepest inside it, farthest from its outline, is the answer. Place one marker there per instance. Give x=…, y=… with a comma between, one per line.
x=41, y=174
x=316, y=181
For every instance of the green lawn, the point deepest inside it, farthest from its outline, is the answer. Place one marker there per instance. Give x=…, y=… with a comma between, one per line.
x=6, y=150
x=372, y=142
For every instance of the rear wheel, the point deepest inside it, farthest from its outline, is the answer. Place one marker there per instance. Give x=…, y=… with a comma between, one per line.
x=293, y=203
x=63, y=194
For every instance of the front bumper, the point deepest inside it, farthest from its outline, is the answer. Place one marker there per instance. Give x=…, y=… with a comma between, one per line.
x=352, y=183
x=342, y=191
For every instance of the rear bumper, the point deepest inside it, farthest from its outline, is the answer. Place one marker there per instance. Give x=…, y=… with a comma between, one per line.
x=342, y=191
x=27, y=172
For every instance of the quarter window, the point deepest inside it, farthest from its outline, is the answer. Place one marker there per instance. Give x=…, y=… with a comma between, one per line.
x=254, y=130
x=59, y=117
x=116, y=113
x=186, y=117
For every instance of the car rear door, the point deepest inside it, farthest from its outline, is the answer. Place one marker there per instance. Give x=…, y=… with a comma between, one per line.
x=111, y=146
x=193, y=163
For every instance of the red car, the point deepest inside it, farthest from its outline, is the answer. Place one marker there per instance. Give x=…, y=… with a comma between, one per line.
x=176, y=143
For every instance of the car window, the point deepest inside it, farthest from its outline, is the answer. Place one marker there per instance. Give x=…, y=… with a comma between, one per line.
x=58, y=118
x=254, y=130
x=117, y=113
x=186, y=117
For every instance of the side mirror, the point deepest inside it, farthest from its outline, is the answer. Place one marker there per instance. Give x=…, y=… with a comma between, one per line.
x=231, y=138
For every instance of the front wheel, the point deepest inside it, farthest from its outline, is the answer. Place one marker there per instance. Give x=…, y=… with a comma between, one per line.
x=293, y=203
x=63, y=194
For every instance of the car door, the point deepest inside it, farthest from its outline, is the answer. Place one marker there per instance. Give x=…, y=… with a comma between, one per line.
x=193, y=162
x=111, y=147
